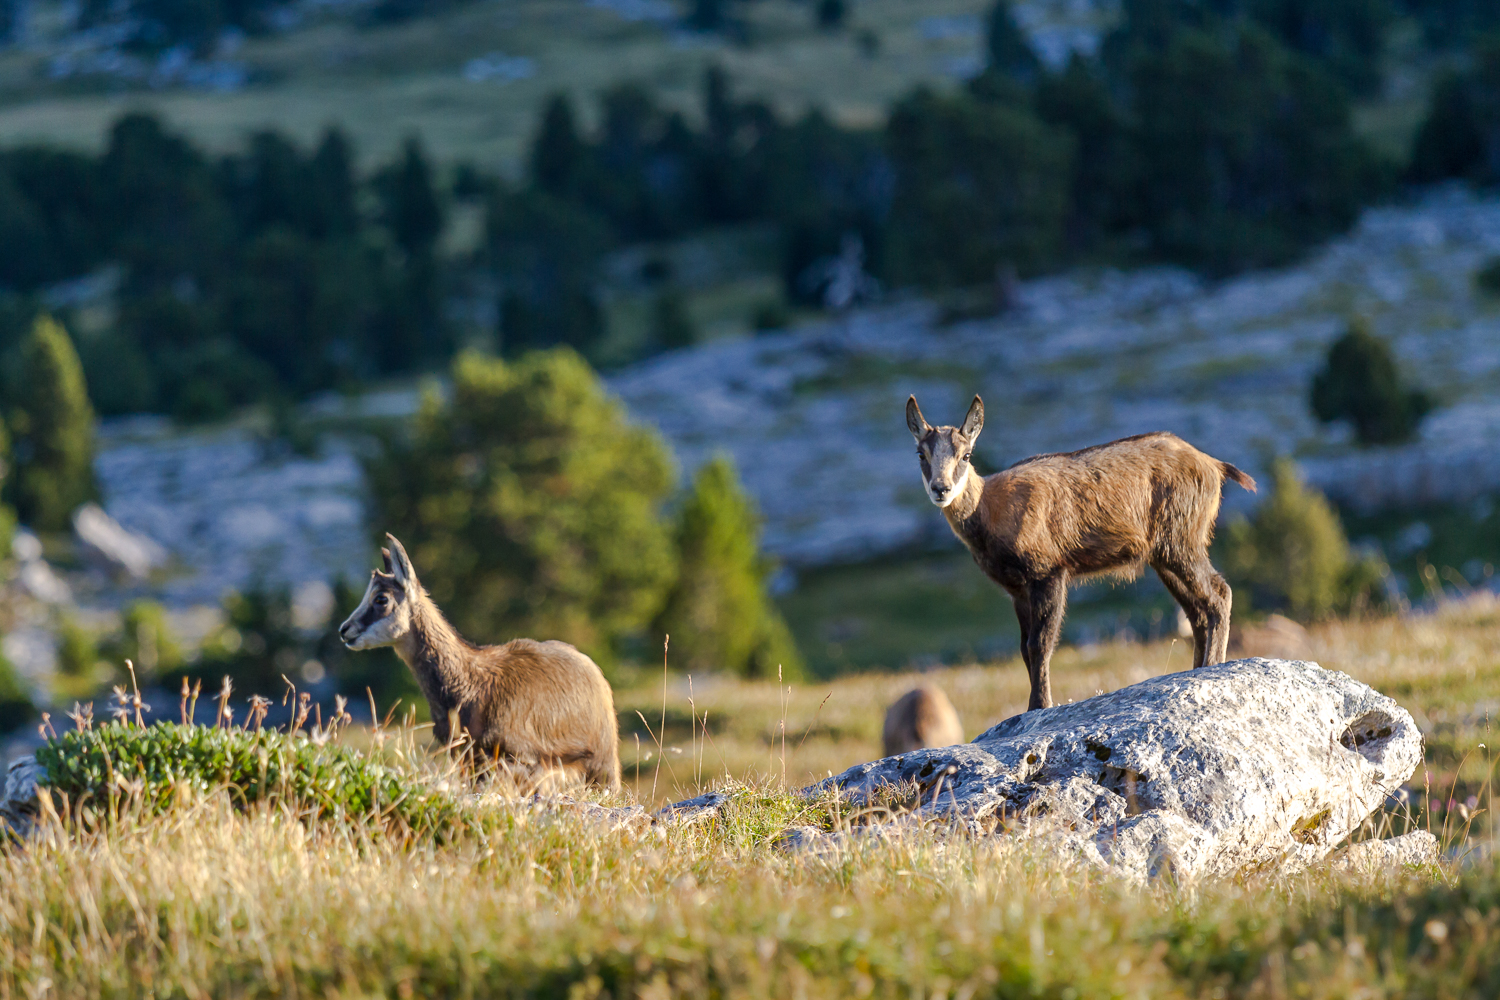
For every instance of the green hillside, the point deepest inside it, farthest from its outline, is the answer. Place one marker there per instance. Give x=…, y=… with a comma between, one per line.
x=384, y=82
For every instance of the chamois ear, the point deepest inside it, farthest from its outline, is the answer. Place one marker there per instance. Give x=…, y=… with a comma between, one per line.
x=974, y=421
x=915, y=422
x=385, y=557
x=401, y=564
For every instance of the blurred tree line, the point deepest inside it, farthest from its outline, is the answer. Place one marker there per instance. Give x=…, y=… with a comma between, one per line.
x=256, y=275
x=1215, y=134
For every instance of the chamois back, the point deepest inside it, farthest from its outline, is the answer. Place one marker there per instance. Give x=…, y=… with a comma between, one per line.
x=922, y=717
x=1111, y=508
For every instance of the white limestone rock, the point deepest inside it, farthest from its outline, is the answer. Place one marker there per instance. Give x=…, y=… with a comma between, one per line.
x=1207, y=772
x=1419, y=847
x=113, y=548
x=18, y=796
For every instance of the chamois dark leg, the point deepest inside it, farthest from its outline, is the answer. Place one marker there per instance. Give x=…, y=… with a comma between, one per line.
x=1192, y=605
x=1022, y=604
x=1205, y=598
x=1048, y=599
x=1218, y=644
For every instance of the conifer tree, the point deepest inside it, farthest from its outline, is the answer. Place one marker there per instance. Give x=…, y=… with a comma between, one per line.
x=1009, y=50
x=530, y=506
x=1359, y=383
x=412, y=209
x=557, y=150
x=7, y=515
x=673, y=327
x=1293, y=554
x=718, y=613
x=332, y=183
x=54, y=430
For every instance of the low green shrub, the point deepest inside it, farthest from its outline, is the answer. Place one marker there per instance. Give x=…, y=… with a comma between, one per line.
x=1487, y=278
x=1361, y=383
x=1292, y=555
x=157, y=764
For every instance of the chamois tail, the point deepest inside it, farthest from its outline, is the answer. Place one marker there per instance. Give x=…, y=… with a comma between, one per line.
x=1230, y=472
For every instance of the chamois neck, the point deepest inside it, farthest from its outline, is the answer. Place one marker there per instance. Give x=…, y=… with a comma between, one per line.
x=434, y=651
x=966, y=503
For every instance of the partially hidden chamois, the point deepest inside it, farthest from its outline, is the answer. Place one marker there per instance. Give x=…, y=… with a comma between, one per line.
x=534, y=706
x=922, y=717
x=1150, y=500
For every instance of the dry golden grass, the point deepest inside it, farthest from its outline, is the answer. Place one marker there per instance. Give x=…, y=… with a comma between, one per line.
x=1444, y=668
x=210, y=901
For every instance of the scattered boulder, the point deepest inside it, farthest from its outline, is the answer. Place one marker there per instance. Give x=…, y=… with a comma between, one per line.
x=690, y=812
x=113, y=548
x=1419, y=847
x=1276, y=638
x=41, y=581
x=1207, y=772
x=19, y=803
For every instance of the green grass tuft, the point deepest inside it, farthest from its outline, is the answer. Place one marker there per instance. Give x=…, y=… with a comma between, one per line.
x=158, y=765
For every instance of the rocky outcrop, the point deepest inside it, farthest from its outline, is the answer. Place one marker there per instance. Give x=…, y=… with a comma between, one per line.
x=18, y=797
x=1237, y=766
x=112, y=548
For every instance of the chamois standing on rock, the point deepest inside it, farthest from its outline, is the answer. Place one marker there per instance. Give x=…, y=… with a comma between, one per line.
x=537, y=706
x=922, y=717
x=1102, y=511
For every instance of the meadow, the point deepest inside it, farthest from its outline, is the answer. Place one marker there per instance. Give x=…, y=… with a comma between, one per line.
x=280, y=899
x=384, y=83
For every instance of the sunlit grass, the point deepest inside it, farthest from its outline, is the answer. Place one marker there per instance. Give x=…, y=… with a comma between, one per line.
x=224, y=897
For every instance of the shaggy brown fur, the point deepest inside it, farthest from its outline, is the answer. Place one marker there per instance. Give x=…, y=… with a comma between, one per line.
x=1106, y=510
x=922, y=717
x=539, y=706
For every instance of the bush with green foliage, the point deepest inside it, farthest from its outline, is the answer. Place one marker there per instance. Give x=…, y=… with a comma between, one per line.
x=978, y=185
x=1007, y=48
x=1452, y=23
x=1487, y=278
x=671, y=325
x=718, y=612
x=830, y=14
x=1359, y=383
x=53, y=425
x=313, y=777
x=16, y=708
x=1347, y=37
x=146, y=639
x=545, y=251
x=7, y=513
x=1247, y=150
x=257, y=645
x=1460, y=137
x=770, y=316
x=80, y=666
x=529, y=505
x=238, y=277
x=1292, y=555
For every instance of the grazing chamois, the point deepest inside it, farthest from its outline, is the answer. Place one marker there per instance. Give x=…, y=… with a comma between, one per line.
x=1106, y=510
x=539, y=706
x=922, y=717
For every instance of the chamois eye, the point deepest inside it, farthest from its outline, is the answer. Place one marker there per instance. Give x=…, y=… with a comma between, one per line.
x=381, y=601
x=968, y=456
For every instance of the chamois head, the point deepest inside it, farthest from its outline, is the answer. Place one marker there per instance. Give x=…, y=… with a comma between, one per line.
x=384, y=616
x=946, y=453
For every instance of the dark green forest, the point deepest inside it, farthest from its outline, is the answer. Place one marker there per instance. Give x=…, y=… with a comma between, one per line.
x=1215, y=134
